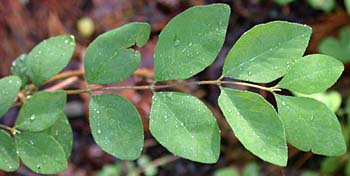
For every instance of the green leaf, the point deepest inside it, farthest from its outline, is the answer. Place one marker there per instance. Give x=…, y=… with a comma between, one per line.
x=116, y=126
x=283, y=2
x=310, y=125
x=9, y=161
x=347, y=168
x=347, y=5
x=251, y=169
x=41, y=111
x=190, y=42
x=338, y=48
x=330, y=165
x=61, y=131
x=185, y=126
x=325, y=5
x=49, y=57
x=331, y=99
x=309, y=173
x=9, y=88
x=256, y=124
x=19, y=68
x=41, y=153
x=312, y=74
x=267, y=51
x=110, y=58
x=227, y=171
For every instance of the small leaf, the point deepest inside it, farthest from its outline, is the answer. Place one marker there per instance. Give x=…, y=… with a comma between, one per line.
x=9, y=88
x=256, y=124
x=312, y=74
x=283, y=2
x=9, y=161
x=185, y=126
x=49, y=57
x=41, y=111
x=347, y=7
x=61, y=131
x=227, y=171
x=190, y=42
x=116, y=126
x=19, y=68
x=338, y=48
x=110, y=58
x=41, y=153
x=325, y=5
x=251, y=169
x=310, y=125
x=267, y=51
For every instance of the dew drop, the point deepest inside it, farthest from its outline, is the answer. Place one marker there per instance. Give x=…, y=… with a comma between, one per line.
x=283, y=103
x=99, y=131
x=182, y=124
x=190, y=44
x=275, y=67
x=192, y=137
x=66, y=41
x=32, y=117
x=10, y=81
x=177, y=42
x=250, y=73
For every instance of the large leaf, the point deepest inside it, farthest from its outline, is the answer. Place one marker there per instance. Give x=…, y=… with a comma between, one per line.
x=8, y=157
x=338, y=48
x=185, y=126
x=267, y=51
x=310, y=125
x=312, y=74
x=110, y=58
x=41, y=153
x=19, y=68
x=256, y=124
x=9, y=88
x=190, y=42
x=61, y=131
x=116, y=126
x=41, y=111
x=49, y=57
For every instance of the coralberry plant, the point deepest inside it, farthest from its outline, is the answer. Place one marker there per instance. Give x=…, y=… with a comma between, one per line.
x=42, y=137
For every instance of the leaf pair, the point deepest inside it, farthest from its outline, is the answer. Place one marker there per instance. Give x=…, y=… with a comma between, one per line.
x=187, y=45
x=115, y=123
x=45, y=141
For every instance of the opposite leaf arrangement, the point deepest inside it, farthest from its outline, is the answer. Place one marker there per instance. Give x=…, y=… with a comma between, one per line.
x=42, y=137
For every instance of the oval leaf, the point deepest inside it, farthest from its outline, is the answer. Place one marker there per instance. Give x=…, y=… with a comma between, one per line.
x=41, y=153
x=312, y=74
x=269, y=48
x=190, y=42
x=256, y=124
x=116, y=126
x=49, y=57
x=109, y=58
x=185, y=126
x=41, y=111
x=61, y=131
x=9, y=161
x=9, y=88
x=310, y=125
x=19, y=68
